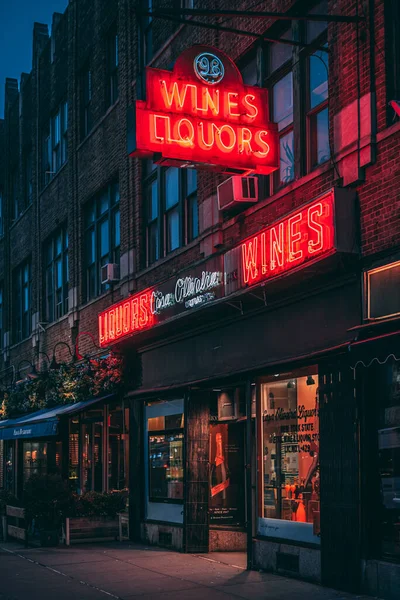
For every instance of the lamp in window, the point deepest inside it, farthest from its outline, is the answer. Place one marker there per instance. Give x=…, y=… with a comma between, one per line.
x=310, y=380
x=54, y=364
x=291, y=384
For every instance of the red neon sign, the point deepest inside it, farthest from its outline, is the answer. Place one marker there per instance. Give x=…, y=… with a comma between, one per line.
x=202, y=114
x=303, y=236
x=131, y=315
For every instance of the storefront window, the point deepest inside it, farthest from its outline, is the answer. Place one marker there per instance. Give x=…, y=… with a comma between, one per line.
x=34, y=459
x=92, y=451
x=118, y=447
x=290, y=450
x=389, y=459
x=9, y=465
x=73, y=463
x=166, y=458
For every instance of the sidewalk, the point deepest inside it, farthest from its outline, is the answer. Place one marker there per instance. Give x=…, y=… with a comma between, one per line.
x=126, y=571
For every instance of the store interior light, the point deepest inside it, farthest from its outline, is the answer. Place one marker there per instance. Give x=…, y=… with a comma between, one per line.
x=310, y=380
x=291, y=384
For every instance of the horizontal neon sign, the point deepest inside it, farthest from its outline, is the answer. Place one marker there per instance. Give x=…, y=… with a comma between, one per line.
x=302, y=236
x=190, y=119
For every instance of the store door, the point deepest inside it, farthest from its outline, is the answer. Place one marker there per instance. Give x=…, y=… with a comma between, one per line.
x=227, y=475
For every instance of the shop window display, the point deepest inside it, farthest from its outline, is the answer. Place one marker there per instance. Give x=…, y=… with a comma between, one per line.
x=118, y=447
x=34, y=459
x=166, y=458
x=290, y=444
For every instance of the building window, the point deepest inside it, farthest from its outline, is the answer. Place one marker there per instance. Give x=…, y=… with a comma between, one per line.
x=382, y=292
x=14, y=194
x=35, y=459
x=1, y=213
x=28, y=178
x=92, y=445
x=22, y=301
x=148, y=32
x=317, y=115
x=55, y=144
x=112, y=68
x=290, y=484
x=118, y=447
x=1, y=317
x=171, y=210
x=102, y=237
x=165, y=447
x=86, y=102
x=56, y=275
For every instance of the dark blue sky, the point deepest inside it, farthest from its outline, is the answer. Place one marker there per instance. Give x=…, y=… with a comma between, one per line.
x=16, y=26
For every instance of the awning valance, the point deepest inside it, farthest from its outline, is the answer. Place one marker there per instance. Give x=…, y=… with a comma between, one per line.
x=43, y=423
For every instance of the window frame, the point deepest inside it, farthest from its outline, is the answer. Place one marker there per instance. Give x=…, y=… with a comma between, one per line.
x=112, y=66
x=94, y=229
x=164, y=432
x=52, y=267
x=19, y=314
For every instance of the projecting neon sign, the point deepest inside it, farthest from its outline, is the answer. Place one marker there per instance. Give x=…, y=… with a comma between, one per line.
x=202, y=114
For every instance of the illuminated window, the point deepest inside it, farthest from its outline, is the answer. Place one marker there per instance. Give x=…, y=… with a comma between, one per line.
x=166, y=458
x=171, y=209
x=112, y=67
x=34, y=459
x=290, y=449
x=102, y=237
x=86, y=102
x=22, y=301
x=56, y=275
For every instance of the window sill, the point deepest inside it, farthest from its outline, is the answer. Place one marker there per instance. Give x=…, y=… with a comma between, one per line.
x=19, y=218
x=95, y=127
x=280, y=194
x=55, y=176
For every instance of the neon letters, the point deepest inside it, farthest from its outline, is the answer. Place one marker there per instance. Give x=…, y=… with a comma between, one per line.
x=214, y=122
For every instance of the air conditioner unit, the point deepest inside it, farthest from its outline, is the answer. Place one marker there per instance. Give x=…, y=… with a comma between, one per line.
x=109, y=273
x=236, y=191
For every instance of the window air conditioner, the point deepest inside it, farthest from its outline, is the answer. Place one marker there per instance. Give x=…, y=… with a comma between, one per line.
x=236, y=191
x=109, y=273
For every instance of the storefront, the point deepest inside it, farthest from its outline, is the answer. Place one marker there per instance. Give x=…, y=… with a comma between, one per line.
x=86, y=443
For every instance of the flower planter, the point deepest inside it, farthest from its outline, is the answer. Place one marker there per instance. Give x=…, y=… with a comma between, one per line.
x=90, y=529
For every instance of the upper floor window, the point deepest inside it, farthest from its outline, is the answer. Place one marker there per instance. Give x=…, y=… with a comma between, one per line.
x=22, y=301
x=102, y=237
x=171, y=210
x=112, y=67
x=55, y=143
x=56, y=275
x=28, y=178
x=303, y=133
x=86, y=102
x=1, y=213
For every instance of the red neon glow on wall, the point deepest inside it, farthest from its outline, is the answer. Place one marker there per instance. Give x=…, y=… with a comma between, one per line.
x=302, y=236
x=187, y=120
x=128, y=316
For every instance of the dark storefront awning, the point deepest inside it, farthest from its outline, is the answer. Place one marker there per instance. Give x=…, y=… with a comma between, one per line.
x=375, y=343
x=43, y=423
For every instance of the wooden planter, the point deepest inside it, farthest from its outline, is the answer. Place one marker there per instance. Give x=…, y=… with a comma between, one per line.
x=79, y=530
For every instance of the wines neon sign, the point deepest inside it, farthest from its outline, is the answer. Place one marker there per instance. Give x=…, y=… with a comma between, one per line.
x=202, y=114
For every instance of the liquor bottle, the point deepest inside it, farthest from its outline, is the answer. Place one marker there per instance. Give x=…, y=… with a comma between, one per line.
x=219, y=474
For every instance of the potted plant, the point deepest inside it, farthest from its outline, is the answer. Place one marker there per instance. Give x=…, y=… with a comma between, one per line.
x=94, y=516
x=47, y=499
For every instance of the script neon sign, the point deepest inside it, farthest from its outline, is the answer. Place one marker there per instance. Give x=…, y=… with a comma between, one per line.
x=188, y=119
x=303, y=236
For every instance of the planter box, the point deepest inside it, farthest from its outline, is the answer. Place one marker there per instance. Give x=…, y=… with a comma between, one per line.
x=90, y=529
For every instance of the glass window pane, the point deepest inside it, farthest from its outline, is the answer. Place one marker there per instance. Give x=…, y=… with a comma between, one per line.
x=193, y=218
x=116, y=229
x=115, y=193
x=104, y=238
x=171, y=187
x=283, y=101
x=280, y=53
x=65, y=117
x=90, y=213
x=90, y=247
x=319, y=134
x=318, y=78
x=249, y=71
x=166, y=466
x=173, y=230
x=191, y=177
x=286, y=167
x=315, y=28
x=59, y=278
x=103, y=203
x=152, y=201
x=58, y=244
x=154, y=253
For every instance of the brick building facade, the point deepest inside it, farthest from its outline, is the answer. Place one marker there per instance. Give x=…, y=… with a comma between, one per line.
x=74, y=200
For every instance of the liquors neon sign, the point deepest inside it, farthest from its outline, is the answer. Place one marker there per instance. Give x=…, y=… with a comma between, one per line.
x=202, y=114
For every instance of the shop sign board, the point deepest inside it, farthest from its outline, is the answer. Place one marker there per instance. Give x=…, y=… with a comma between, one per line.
x=308, y=234
x=202, y=115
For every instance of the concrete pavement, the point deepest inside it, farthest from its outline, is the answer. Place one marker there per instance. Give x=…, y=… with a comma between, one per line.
x=126, y=571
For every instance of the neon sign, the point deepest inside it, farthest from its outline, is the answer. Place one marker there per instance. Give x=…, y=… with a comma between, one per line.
x=202, y=114
x=303, y=236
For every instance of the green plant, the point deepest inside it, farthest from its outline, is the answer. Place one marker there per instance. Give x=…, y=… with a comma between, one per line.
x=96, y=504
x=47, y=499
